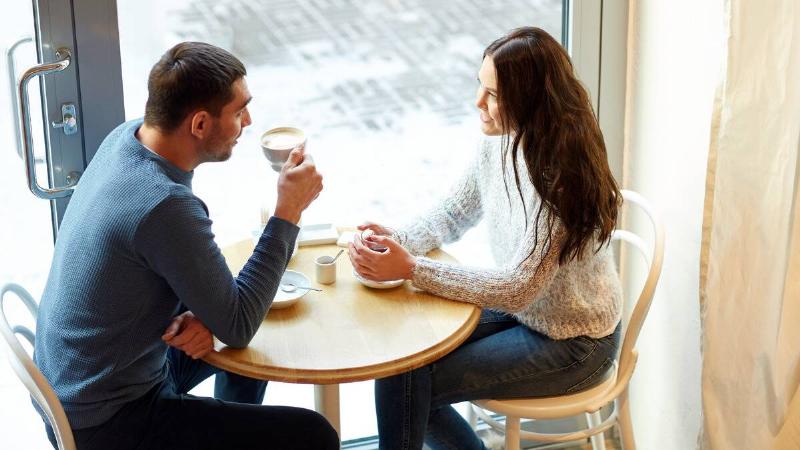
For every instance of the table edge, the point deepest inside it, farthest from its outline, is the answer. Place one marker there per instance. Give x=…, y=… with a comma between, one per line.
x=335, y=376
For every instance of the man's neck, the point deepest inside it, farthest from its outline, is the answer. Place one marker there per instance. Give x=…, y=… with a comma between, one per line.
x=170, y=146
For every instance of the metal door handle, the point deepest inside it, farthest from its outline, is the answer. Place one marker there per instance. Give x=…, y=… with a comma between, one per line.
x=64, y=58
x=11, y=64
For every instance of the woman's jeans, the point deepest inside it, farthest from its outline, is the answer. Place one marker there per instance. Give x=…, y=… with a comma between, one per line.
x=168, y=418
x=502, y=359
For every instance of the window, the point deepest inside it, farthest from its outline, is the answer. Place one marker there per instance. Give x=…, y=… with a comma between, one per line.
x=384, y=91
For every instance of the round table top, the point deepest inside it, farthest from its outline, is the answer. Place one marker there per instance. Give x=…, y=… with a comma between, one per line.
x=348, y=332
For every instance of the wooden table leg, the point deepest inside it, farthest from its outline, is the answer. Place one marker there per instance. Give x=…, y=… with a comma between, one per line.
x=326, y=402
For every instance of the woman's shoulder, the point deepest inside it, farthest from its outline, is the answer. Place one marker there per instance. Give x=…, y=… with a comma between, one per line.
x=488, y=150
x=489, y=143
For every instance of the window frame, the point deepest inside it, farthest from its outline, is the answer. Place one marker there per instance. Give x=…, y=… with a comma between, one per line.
x=596, y=37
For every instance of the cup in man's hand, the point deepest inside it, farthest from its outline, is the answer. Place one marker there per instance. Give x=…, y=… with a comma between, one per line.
x=278, y=143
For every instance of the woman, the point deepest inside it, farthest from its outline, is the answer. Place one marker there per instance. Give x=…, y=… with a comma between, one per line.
x=551, y=308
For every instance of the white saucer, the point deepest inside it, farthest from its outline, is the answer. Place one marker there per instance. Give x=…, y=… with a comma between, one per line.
x=377, y=284
x=285, y=299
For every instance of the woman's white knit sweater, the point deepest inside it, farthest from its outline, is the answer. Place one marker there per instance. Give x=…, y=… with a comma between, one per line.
x=581, y=297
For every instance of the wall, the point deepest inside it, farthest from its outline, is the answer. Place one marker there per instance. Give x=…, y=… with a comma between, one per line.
x=675, y=49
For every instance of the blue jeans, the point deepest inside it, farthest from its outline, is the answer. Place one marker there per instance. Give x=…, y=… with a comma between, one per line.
x=169, y=418
x=501, y=359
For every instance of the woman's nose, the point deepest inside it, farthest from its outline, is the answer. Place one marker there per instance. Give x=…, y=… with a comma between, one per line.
x=480, y=102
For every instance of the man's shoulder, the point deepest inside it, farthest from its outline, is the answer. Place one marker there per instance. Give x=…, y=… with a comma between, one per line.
x=115, y=155
x=120, y=136
x=175, y=202
x=175, y=194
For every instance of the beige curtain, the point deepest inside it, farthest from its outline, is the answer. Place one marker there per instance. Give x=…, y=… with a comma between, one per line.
x=750, y=257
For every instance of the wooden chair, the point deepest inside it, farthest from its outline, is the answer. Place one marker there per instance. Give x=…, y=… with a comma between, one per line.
x=614, y=389
x=26, y=370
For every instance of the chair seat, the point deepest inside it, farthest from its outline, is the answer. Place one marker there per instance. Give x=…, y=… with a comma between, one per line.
x=552, y=407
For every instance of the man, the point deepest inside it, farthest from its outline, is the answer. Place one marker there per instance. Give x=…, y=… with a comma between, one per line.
x=138, y=285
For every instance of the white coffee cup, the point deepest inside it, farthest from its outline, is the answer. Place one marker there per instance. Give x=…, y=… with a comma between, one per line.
x=325, y=269
x=278, y=143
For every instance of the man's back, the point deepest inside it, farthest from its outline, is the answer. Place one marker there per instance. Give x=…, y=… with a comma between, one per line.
x=136, y=248
x=103, y=309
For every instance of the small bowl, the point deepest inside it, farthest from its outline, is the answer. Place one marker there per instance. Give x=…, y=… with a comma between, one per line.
x=285, y=299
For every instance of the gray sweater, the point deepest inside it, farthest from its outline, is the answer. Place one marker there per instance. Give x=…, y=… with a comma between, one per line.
x=581, y=297
x=134, y=249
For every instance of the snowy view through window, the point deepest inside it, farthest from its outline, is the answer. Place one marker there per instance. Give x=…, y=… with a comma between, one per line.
x=383, y=89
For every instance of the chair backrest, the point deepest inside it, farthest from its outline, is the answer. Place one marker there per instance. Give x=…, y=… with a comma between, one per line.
x=653, y=256
x=26, y=370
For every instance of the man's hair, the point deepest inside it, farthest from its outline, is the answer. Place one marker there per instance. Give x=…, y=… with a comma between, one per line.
x=190, y=76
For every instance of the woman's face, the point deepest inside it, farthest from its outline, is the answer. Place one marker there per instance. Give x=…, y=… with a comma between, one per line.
x=487, y=99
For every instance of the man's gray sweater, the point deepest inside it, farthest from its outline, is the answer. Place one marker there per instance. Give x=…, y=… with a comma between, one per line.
x=134, y=248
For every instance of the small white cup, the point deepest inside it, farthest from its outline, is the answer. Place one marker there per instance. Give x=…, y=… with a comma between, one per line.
x=325, y=269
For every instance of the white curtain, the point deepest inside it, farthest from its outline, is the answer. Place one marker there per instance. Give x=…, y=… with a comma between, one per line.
x=750, y=258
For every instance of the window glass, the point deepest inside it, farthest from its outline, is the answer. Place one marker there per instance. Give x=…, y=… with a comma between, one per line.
x=383, y=89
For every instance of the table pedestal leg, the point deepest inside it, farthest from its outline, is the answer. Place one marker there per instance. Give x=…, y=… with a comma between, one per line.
x=326, y=402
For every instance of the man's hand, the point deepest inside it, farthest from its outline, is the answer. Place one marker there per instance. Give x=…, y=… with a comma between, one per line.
x=299, y=184
x=188, y=334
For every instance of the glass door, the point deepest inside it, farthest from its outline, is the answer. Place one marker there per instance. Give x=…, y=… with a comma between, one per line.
x=42, y=143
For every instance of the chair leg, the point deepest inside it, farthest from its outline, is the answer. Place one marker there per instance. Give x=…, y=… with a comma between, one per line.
x=624, y=421
x=512, y=433
x=598, y=440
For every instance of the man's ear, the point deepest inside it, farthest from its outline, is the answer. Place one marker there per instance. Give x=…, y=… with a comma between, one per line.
x=201, y=124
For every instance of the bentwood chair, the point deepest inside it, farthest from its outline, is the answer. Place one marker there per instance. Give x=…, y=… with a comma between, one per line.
x=26, y=370
x=614, y=389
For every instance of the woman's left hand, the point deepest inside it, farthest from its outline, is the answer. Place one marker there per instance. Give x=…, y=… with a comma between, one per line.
x=393, y=264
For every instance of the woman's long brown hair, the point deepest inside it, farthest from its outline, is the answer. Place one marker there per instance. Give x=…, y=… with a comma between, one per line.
x=547, y=116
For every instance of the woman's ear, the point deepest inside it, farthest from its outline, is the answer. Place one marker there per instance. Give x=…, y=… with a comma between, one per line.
x=201, y=122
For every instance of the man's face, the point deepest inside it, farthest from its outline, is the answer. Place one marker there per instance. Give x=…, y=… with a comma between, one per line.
x=228, y=126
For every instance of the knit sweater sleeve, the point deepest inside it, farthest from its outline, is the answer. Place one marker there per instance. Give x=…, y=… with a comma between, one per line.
x=511, y=288
x=459, y=211
x=176, y=241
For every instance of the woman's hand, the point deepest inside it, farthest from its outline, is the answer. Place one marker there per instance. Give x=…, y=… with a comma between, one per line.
x=394, y=263
x=377, y=229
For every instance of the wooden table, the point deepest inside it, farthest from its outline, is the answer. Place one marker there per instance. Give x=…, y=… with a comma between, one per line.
x=347, y=332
